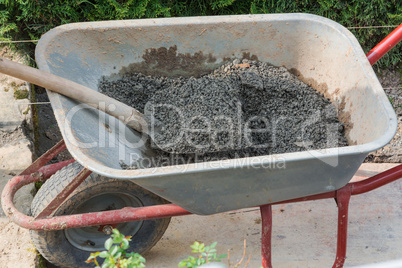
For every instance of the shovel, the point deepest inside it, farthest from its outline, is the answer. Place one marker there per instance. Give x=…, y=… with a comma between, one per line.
x=121, y=111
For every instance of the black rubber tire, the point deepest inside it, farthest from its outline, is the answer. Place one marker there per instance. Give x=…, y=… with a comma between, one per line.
x=55, y=246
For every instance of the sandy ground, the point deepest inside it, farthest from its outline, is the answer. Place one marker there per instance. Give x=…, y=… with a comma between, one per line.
x=16, y=249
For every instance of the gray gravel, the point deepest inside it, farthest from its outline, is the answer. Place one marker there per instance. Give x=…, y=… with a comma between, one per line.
x=243, y=108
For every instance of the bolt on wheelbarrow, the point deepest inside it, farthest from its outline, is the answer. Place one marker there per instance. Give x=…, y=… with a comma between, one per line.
x=87, y=196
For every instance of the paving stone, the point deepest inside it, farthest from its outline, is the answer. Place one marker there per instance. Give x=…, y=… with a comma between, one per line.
x=16, y=249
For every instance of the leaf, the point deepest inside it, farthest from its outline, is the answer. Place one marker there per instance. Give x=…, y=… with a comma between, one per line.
x=104, y=254
x=195, y=246
x=117, y=240
x=183, y=263
x=114, y=250
x=89, y=261
x=108, y=243
x=92, y=256
x=125, y=244
x=200, y=261
x=115, y=231
x=118, y=255
x=131, y=254
x=202, y=247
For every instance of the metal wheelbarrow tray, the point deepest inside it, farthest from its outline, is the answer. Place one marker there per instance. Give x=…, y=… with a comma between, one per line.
x=322, y=52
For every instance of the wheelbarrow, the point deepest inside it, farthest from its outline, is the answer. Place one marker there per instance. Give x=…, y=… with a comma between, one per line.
x=86, y=197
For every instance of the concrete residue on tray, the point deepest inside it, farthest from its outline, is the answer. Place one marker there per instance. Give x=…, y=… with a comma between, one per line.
x=169, y=62
x=243, y=108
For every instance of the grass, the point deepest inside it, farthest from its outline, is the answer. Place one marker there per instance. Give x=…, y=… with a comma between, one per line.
x=20, y=94
x=26, y=111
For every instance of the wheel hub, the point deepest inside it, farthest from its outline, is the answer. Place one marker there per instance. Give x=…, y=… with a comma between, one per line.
x=93, y=238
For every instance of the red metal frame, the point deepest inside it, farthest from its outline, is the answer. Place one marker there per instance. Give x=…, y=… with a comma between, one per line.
x=385, y=45
x=38, y=172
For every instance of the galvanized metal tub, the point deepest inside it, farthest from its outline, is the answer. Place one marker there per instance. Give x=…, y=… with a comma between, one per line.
x=320, y=51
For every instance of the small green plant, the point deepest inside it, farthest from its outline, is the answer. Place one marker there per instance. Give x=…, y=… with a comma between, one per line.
x=206, y=254
x=38, y=184
x=115, y=254
x=26, y=111
x=20, y=94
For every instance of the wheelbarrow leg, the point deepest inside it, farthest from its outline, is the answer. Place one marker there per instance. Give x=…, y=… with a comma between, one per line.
x=342, y=200
x=266, y=217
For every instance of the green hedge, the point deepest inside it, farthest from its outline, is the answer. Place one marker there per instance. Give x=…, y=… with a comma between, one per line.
x=31, y=18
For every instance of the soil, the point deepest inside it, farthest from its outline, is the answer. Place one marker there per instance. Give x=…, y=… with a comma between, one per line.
x=243, y=108
x=48, y=132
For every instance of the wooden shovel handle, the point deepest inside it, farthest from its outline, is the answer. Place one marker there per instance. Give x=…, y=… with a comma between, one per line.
x=121, y=111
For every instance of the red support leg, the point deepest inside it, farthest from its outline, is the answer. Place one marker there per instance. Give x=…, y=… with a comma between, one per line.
x=342, y=200
x=266, y=216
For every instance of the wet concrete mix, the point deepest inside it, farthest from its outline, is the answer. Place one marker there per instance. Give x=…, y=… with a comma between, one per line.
x=243, y=108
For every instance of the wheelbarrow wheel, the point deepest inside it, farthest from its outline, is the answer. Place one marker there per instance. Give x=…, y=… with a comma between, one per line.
x=72, y=247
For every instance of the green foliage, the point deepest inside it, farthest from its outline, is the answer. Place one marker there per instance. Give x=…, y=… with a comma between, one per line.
x=6, y=27
x=30, y=19
x=115, y=254
x=205, y=254
x=38, y=184
x=20, y=94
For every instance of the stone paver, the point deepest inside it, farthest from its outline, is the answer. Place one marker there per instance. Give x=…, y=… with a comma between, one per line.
x=16, y=145
x=16, y=249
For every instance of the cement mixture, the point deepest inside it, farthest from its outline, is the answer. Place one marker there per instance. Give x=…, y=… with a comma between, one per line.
x=244, y=108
